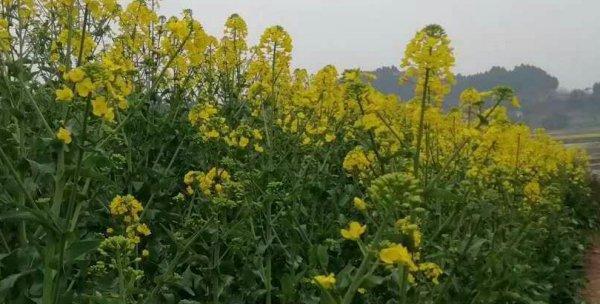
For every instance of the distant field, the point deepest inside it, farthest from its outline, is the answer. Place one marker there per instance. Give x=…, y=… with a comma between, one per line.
x=586, y=139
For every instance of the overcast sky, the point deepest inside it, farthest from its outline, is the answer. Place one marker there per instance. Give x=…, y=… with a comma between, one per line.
x=560, y=36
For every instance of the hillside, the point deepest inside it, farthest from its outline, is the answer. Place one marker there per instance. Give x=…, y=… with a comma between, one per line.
x=543, y=103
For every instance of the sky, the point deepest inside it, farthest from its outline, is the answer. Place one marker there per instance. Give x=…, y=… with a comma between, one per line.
x=559, y=36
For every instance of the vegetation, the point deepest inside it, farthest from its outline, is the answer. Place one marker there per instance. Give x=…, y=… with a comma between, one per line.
x=143, y=160
x=543, y=103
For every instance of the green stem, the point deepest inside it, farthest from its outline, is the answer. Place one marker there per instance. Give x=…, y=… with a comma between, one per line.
x=269, y=255
x=402, y=280
x=421, y=123
x=122, y=289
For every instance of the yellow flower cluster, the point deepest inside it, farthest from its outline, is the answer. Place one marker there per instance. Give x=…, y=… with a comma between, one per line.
x=245, y=137
x=184, y=46
x=471, y=97
x=513, y=159
x=64, y=135
x=270, y=71
x=397, y=254
x=5, y=38
x=325, y=281
x=212, y=126
x=316, y=108
x=360, y=204
x=533, y=192
x=412, y=230
x=232, y=48
x=105, y=83
x=128, y=209
x=428, y=58
x=209, y=124
x=211, y=183
x=127, y=206
x=358, y=162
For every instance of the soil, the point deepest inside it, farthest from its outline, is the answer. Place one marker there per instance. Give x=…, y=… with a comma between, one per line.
x=592, y=268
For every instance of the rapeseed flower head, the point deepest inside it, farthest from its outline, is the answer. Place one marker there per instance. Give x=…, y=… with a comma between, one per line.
x=432, y=271
x=127, y=206
x=359, y=204
x=357, y=161
x=470, y=97
x=354, y=231
x=397, y=254
x=85, y=87
x=101, y=109
x=75, y=75
x=533, y=192
x=64, y=94
x=325, y=281
x=64, y=135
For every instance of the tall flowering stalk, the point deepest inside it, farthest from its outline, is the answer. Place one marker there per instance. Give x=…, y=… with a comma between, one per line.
x=428, y=60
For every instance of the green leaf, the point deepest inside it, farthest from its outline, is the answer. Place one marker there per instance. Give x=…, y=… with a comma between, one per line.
x=30, y=215
x=42, y=169
x=81, y=248
x=10, y=281
x=372, y=281
x=323, y=256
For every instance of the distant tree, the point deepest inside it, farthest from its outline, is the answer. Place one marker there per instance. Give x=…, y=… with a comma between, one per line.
x=530, y=83
x=596, y=90
x=577, y=95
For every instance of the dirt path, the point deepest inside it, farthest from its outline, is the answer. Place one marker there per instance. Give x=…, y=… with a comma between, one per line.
x=592, y=269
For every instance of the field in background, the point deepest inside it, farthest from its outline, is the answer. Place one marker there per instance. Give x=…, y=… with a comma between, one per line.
x=588, y=139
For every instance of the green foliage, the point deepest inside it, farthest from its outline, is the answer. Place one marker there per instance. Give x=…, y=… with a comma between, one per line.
x=137, y=207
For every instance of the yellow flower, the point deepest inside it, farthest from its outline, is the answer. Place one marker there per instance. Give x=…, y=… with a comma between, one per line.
x=145, y=253
x=429, y=55
x=128, y=206
x=64, y=135
x=134, y=239
x=64, y=94
x=533, y=192
x=143, y=229
x=256, y=134
x=396, y=254
x=360, y=204
x=470, y=96
x=84, y=88
x=431, y=271
x=361, y=290
x=189, y=190
x=110, y=115
x=243, y=141
x=110, y=230
x=179, y=28
x=212, y=134
x=326, y=282
x=356, y=161
x=75, y=75
x=100, y=108
x=219, y=189
x=354, y=231
x=122, y=102
x=188, y=179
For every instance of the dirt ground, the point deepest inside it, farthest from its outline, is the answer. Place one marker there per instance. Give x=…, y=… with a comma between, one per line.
x=592, y=292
